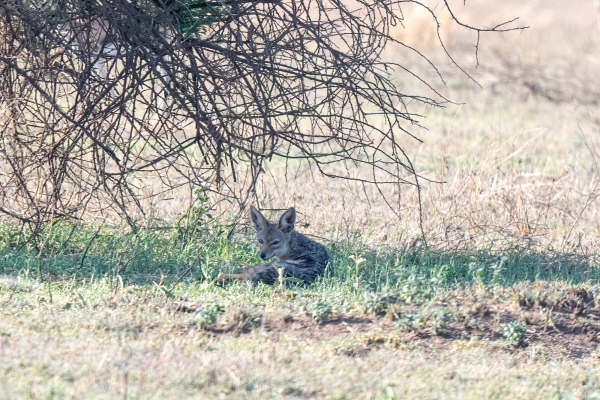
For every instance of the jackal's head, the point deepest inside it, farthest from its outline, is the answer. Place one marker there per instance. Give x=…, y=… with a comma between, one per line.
x=274, y=239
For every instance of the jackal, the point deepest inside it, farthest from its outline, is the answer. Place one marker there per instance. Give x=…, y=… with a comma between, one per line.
x=300, y=257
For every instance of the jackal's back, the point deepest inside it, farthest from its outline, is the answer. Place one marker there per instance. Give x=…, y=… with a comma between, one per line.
x=307, y=259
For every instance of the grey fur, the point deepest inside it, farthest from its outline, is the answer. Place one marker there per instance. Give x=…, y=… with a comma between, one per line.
x=306, y=260
x=300, y=257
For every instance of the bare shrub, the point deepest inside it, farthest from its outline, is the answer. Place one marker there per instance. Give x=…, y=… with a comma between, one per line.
x=108, y=105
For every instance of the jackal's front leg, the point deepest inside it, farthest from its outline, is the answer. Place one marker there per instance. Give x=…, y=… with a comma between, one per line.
x=265, y=273
x=226, y=278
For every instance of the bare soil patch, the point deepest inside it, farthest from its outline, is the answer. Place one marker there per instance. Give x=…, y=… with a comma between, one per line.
x=566, y=323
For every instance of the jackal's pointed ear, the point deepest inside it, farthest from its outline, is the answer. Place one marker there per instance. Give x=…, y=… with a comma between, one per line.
x=258, y=220
x=287, y=221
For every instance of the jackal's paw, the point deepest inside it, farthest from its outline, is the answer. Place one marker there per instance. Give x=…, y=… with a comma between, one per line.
x=226, y=278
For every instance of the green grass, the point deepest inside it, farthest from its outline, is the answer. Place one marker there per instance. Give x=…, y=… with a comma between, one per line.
x=184, y=264
x=201, y=253
x=88, y=312
x=99, y=339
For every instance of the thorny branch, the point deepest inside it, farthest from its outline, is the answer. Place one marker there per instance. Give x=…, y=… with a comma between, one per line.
x=103, y=102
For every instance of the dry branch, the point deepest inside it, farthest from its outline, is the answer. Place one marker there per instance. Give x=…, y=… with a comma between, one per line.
x=100, y=98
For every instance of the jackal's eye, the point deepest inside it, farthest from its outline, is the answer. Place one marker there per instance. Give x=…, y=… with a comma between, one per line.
x=261, y=241
x=275, y=242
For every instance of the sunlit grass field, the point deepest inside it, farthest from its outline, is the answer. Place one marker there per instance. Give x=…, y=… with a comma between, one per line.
x=497, y=300
x=143, y=316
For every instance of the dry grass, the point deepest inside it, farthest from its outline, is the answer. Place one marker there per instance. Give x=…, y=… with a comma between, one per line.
x=73, y=340
x=512, y=164
x=517, y=166
x=517, y=163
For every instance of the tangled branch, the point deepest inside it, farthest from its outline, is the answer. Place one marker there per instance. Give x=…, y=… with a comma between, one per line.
x=104, y=101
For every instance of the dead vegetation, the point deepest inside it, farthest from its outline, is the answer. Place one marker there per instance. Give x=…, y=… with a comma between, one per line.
x=101, y=101
x=515, y=166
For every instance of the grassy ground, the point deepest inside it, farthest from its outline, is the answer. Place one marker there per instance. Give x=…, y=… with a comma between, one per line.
x=93, y=340
x=500, y=303
x=101, y=313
